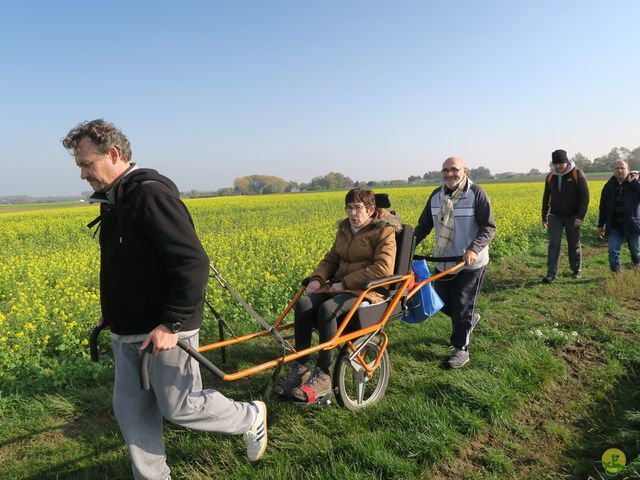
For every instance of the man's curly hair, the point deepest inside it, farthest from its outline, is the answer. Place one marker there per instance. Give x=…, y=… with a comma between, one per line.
x=102, y=134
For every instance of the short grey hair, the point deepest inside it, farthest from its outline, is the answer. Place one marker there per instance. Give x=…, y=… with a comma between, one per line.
x=102, y=134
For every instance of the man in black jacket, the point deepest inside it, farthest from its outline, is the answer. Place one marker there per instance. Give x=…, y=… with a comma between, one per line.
x=153, y=274
x=620, y=214
x=564, y=205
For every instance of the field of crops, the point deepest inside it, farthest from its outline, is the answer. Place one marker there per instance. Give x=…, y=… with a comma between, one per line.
x=263, y=246
x=551, y=386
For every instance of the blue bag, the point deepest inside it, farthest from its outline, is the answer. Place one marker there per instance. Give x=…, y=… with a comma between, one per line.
x=426, y=301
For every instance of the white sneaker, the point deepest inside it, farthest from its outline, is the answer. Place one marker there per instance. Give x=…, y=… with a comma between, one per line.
x=256, y=436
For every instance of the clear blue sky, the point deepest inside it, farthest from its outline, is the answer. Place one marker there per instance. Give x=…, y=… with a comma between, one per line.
x=208, y=91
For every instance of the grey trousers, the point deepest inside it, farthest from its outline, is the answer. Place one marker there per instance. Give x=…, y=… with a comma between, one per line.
x=555, y=226
x=175, y=394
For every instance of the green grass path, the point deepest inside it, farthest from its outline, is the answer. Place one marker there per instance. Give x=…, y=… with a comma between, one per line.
x=537, y=401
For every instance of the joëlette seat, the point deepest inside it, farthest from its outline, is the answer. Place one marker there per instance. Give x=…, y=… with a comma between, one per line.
x=367, y=314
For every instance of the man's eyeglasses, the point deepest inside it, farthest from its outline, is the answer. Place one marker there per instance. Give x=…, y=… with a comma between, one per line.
x=444, y=171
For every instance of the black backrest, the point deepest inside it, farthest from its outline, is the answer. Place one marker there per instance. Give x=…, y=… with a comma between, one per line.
x=404, y=250
x=383, y=200
x=404, y=239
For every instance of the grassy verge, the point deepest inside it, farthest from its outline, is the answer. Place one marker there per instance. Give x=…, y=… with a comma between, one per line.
x=563, y=430
x=537, y=401
x=28, y=207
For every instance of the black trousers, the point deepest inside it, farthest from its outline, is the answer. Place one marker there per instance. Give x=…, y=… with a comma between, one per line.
x=555, y=225
x=320, y=310
x=459, y=295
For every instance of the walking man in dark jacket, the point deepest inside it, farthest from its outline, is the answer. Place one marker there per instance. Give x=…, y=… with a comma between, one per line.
x=564, y=205
x=153, y=275
x=620, y=214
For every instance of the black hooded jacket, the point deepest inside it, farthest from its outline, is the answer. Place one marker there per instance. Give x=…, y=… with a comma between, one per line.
x=566, y=195
x=630, y=192
x=153, y=268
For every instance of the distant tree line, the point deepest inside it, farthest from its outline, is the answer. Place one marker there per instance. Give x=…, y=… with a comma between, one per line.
x=436, y=175
x=265, y=184
x=605, y=162
x=480, y=173
x=599, y=164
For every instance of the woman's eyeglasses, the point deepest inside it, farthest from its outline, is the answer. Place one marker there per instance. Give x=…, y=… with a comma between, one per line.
x=358, y=207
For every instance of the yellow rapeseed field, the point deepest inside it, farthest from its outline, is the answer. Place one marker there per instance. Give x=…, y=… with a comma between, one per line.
x=263, y=246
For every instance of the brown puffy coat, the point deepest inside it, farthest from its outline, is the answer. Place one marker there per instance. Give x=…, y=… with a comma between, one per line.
x=356, y=260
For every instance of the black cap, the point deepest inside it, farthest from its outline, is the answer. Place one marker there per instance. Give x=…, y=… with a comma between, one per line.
x=559, y=156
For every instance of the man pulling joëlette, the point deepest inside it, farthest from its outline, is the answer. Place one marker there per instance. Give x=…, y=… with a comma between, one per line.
x=153, y=274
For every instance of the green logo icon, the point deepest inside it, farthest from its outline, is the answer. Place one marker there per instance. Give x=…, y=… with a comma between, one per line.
x=614, y=460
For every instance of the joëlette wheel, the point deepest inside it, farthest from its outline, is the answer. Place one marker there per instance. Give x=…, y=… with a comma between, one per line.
x=354, y=390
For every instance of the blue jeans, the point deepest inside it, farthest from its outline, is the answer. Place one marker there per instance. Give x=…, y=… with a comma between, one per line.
x=614, y=240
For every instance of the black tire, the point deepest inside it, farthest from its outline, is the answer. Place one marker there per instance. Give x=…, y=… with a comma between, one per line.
x=353, y=389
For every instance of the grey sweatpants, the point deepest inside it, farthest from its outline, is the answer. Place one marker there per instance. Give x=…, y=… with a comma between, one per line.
x=175, y=394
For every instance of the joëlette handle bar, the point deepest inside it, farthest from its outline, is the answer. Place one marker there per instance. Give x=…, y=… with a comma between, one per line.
x=428, y=258
x=444, y=273
x=146, y=355
x=93, y=342
x=145, y=384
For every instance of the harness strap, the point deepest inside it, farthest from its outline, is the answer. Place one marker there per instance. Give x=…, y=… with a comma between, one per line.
x=574, y=175
x=311, y=397
x=93, y=223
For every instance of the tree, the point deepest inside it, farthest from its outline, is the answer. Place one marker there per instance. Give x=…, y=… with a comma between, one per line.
x=633, y=159
x=241, y=185
x=292, y=187
x=534, y=172
x=432, y=175
x=480, y=172
x=259, y=184
x=582, y=162
x=605, y=163
x=330, y=181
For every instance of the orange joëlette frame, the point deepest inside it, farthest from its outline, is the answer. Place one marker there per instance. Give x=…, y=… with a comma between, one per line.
x=339, y=337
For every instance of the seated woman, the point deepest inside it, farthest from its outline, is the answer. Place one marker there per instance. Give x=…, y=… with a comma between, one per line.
x=364, y=250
